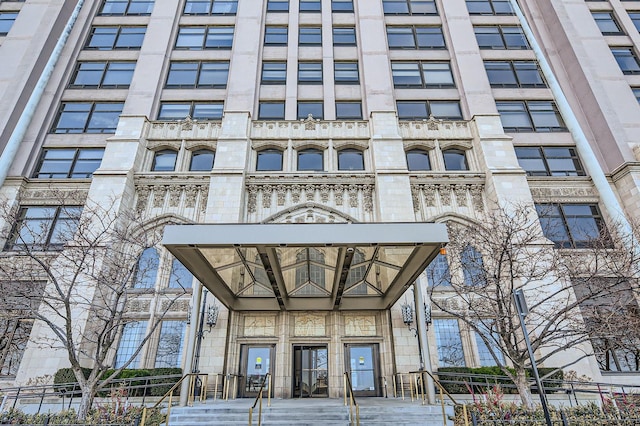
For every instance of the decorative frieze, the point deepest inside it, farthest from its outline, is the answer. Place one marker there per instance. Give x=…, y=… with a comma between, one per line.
x=310, y=129
x=184, y=130
x=360, y=325
x=175, y=306
x=436, y=129
x=262, y=325
x=160, y=192
x=309, y=325
x=436, y=195
x=564, y=193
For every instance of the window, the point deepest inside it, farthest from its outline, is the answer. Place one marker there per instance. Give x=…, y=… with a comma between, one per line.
x=88, y=117
x=198, y=75
x=64, y=163
x=109, y=38
x=103, y=75
x=169, y=353
x=449, y=342
x=180, y=276
x=348, y=110
x=455, y=159
x=277, y=5
x=126, y=7
x=415, y=38
x=195, y=110
x=549, y=161
x=485, y=357
x=346, y=73
x=310, y=6
x=421, y=110
x=202, y=160
x=274, y=73
x=409, y=7
x=275, y=36
x=501, y=37
x=607, y=23
x=356, y=282
x=14, y=336
x=422, y=74
x=570, y=225
x=310, y=160
x=271, y=111
x=310, y=272
x=6, y=21
x=472, y=267
x=164, y=161
x=44, y=227
x=418, y=159
x=313, y=109
x=147, y=269
x=626, y=59
x=310, y=36
x=133, y=334
x=530, y=116
x=514, y=74
x=350, y=159
x=636, y=93
x=438, y=272
x=344, y=36
x=310, y=73
x=269, y=160
x=210, y=7
x=342, y=6
x=635, y=18
x=199, y=38
x=489, y=7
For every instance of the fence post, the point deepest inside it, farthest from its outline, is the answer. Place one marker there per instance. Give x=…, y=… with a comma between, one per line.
x=565, y=421
x=474, y=419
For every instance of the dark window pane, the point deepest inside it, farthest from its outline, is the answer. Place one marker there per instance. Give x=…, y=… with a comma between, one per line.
x=455, y=159
x=202, y=160
x=348, y=110
x=350, y=159
x=315, y=109
x=275, y=36
x=269, y=160
x=310, y=159
x=418, y=159
x=271, y=111
x=164, y=161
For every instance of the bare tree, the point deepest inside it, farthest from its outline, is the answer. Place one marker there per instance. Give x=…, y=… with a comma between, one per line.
x=72, y=269
x=508, y=250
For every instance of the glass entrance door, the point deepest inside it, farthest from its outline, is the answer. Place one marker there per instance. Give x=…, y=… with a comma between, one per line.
x=256, y=362
x=310, y=378
x=364, y=370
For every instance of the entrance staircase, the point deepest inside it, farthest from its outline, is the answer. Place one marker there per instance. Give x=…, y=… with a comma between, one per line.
x=311, y=412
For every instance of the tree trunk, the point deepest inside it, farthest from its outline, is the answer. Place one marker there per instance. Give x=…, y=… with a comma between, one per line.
x=522, y=384
x=86, y=402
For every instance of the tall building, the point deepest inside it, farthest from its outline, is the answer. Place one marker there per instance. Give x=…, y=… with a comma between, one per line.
x=311, y=111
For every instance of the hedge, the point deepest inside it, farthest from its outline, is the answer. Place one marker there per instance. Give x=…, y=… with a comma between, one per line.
x=66, y=376
x=500, y=379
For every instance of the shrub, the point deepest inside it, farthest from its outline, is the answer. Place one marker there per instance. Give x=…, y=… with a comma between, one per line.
x=161, y=390
x=482, y=383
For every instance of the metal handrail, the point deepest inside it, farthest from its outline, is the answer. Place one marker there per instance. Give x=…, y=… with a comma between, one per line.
x=267, y=377
x=352, y=399
x=193, y=377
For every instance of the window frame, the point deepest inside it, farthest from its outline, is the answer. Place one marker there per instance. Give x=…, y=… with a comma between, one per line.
x=428, y=108
x=315, y=152
x=7, y=16
x=192, y=108
x=61, y=216
x=262, y=106
x=314, y=36
x=526, y=112
x=419, y=34
x=208, y=69
x=563, y=220
x=73, y=163
x=350, y=152
x=409, y=7
x=418, y=151
x=211, y=7
x=201, y=152
x=127, y=9
x=104, y=74
x=514, y=32
x=421, y=74
x=341, y=115
x=208, y=33
x=348, y=38
x=543, y=160
x=269, y=152
x=119, y=31
x=518, y=71
x=92, y=111
x=623, y=56
x=274, y=28
x=281, y=74
x=492, y=10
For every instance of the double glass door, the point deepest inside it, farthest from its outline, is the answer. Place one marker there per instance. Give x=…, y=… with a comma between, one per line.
x=364, y=369
x=310, y=377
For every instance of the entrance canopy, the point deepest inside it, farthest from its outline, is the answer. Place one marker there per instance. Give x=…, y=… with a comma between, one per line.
x=345, y=266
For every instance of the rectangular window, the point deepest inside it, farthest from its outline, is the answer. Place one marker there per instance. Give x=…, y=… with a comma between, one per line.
x=103, y=75
x=111, y=38
x=409, y=7
x=310, y=6
x=169, y=354
x=346, y=73
x=342, y=6
x=210, y=7
x=489, y=7
x=344, y=36
x=421, y=110
x=530, y=116
x=313, y=109
x=88, y=117
x=6, y=21
x=44, y=227
x=277, y=5
x=635, y=18
x=514, y=74
x=275, y=36
x=549, y=161
x=69, y=163
x=199, y=38
x=310, y=36
x=126, y=7
x=449, y=342
x=415, y=37
x=485, y=349
x=636, y=93
x=271, y=111
x=196, y=110
x=133, y=334
x=607, y=23
x=501, y=37
x=626, y=59
x=211, y=75
x=349, y=110
x=422, y=74
x=310, y=73
x=14, y=336
x=571, y=225
x=274, y=73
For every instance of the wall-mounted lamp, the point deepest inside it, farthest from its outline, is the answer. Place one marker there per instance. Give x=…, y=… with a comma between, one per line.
x=407, y=314
x=212, y=315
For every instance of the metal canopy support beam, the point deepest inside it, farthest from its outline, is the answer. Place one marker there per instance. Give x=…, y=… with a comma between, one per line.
x=344, y=274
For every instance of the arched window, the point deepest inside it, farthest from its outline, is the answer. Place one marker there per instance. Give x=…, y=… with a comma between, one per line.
x=202, y=160
x=438, y=272
x=269, y=160
x=147, y=269
x=472, y=267
x=310, y=159
x=418, y=159
x=310, y=277
x=455, y=159
x=350, y=159
x=164, y=161
x=356, y=277
x=180, y=276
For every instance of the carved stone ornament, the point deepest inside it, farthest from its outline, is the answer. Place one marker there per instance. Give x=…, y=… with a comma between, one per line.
x=251, y=204
x=445, y=195
x=360, y=325
x=324, y=193
x=190, y=196
x=174, y=195
x=338, y=192
x=476, y=197
x=309, y=325
x=159, y=194
x=368, y=198
x=187, y=123
x=310, y=122
x=295, y=193
x=353, y=195
x=143, y=198
x=461, y=194
x=415, y=197
x=259, y=325
x=281, y=192
x=267, y=190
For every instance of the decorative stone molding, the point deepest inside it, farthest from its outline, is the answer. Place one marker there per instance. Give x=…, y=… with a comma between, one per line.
x=434, y=192
x=153, y=192
x=157, y=145
x=177, y=306
x=310, y=129
x=138, y=305
x=359, y=144
x=360, y=325
x=436, y=129
x=303, y=144
x=196, y=145
x=184, y=129
x=459, y=144
x=309, y=213
x=309, y=325
x=263, y=144
x=48, y=196
x=262, y=325
x=411, y=144
x=563, y=192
